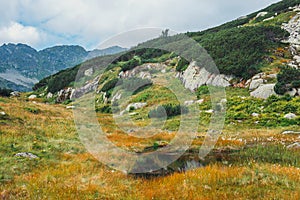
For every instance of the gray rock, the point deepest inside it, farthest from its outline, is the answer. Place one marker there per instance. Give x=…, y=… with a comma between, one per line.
x=194, y=77
x=89, y=72
x=264, y=91
x=200, y=101
x=189, y=103
x=290, y=116
x=2, y=113
x=31, y=97
x=292, y=93
x=26, y=155
x=70, y=107
x=261, y=14
x=255, y=84
x=49, y=95
x=290, y=133
x=64, y=95
x=135, y=106
x=294, y=146
x=255, y=115
x=15, y=94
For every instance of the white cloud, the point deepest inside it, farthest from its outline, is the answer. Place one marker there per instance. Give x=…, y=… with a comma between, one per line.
x=17, y=33
x=88, y=22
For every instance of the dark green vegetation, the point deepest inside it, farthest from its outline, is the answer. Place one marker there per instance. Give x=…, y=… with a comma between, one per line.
x=5, y=92
x=288, y=79
x=168, y=110
x=241, y=51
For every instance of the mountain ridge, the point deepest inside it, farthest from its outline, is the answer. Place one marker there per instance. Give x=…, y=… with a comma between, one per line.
x=33, y=65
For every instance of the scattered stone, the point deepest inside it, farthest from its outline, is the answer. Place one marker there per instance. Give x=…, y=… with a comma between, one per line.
x=255, y=115
x=49, y=95
x=210, y=111
x=294, y=146
x=26, y=155
x=290, y=133
x=290, y=116
x=31, y=97
x=2, y=113
x=200, y=101
x=189, y=103
x=15, y=94
x=135, y=106
x=292, y=93
x=268, y=19
x=70, y=107
x=261, y=14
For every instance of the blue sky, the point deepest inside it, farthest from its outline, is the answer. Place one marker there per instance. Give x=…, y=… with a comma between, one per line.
x=45, y=23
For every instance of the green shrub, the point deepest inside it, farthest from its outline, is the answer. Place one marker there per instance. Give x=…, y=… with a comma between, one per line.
x=168, y=109
x=136, y=85
x=5, y=92
x=202, y=90
x=182, y=65
x=111, y=84
x=33, y=110
x=288, y=78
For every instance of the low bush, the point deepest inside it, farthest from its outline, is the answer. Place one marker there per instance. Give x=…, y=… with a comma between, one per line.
x=168, y=110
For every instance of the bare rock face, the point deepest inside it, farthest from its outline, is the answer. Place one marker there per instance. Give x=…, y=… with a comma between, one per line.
x=89, y=87
x=264, y=91
x=143, y=71
x=194, y=77
x=64, y=95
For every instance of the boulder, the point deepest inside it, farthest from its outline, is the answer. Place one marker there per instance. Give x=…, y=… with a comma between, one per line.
x=292, y=93
x=49, y=95
x=70, y=107
x=31, y=97
x=261, y=14
x=264, y=91
x=2, y=113
x=15, y=94
x=255, y=84
x=64, y=95
x=294, y=146
x=290, y=116
x=135, y=106
x=255, y=115
x=290, y=133
x=26, y=155
x=194, y=77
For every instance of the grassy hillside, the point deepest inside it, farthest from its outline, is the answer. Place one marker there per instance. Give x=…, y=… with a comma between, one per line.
x=246, y=162
x=242, y=47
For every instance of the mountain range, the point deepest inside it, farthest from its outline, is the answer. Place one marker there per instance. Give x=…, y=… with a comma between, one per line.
x=21, y=66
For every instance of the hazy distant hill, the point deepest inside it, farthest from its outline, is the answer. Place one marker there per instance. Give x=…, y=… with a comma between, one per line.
x=21, y=66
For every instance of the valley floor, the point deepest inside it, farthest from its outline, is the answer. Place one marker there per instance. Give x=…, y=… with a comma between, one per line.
x=256, y=164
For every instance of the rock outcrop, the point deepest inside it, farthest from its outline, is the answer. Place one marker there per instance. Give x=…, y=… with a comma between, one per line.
x=64, y=95
x=264, y=91
x=194, y=77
